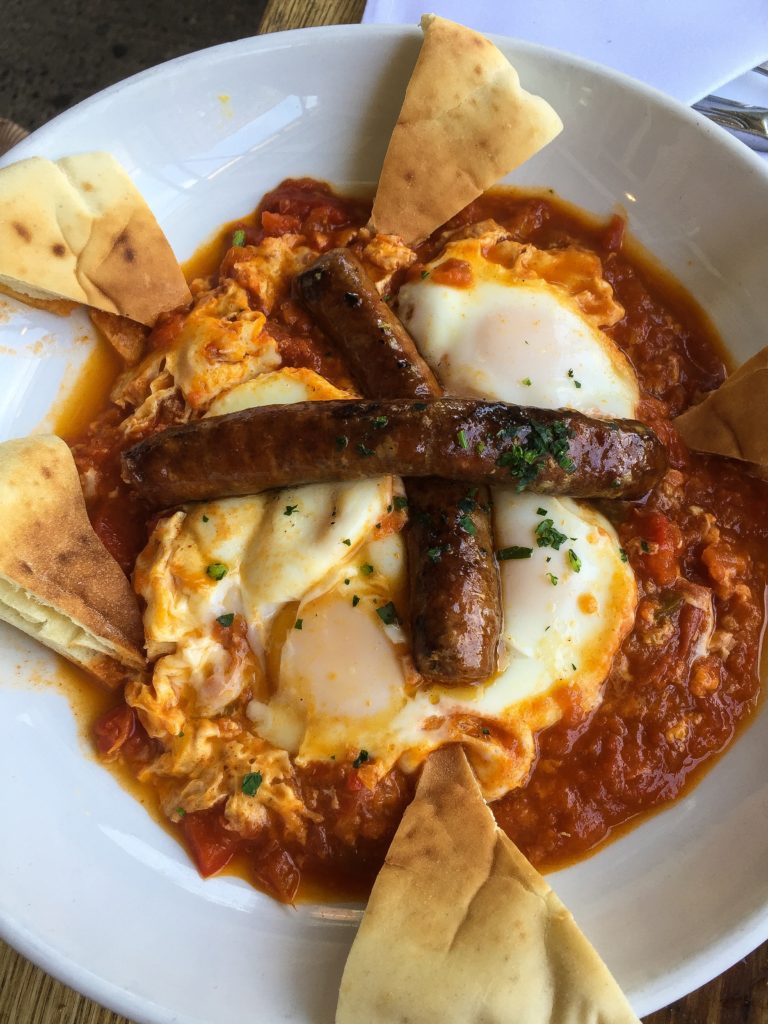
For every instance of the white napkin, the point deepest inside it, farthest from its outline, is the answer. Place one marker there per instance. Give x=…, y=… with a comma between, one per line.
x=686, y=48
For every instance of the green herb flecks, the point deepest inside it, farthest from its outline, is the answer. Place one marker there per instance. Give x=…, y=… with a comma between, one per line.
x=355, y=600
x=552, y=578
x=289, y=510
x=226, y=620
x=217, y=570
x=365, y=451
x=461, y=437
x=465, y=522
x=238, y=237
x=400, y=502
x=573, y=560
x=380, y=422
x=251, y=782
x=298, y=624
x=361, y=758
x=366, y=569
x=388, y=614
x=547, y=536
x=342, y=442
x=515, y=551
x=435, y=554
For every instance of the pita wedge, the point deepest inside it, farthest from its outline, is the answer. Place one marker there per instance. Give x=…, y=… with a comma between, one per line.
x=732, y=419
x=79, y=229
x=58, y=582
x=465, y=123
x=460, y=928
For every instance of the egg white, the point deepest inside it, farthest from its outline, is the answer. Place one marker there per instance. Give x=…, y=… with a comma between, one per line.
x=523, y=340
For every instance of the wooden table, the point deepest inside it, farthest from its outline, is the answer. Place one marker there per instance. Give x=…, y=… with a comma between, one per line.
x=29, y=996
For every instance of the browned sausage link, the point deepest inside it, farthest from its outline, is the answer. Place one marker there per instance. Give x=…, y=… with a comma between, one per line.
x=456, y=614
x=454, y=582
x=538, y=450
x=382, y=356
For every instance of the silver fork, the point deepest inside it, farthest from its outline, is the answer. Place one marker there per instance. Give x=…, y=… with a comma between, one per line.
x=747, y=122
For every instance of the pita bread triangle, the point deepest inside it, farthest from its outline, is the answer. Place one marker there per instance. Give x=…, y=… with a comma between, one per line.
x=465, y=123
x=79, y=229
x=58, y=583
x=461, y=928
x=731, y=420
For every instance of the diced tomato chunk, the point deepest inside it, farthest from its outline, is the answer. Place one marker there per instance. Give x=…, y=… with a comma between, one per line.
x=279, y=223
x=113, y=729
x=660, y=546
x=455, y=273
x=276, y=872
x=211, y=844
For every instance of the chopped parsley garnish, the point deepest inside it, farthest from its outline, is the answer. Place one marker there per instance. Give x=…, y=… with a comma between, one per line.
x=298, y=624
x=420, y=406
x=573, y=560
x=623, y=555
x=388, y=614
x=251, y=782
x=547, y=536
x=467, y=525
x=238, y=237
x=226, y=620
x=480, y=447
x=400, y=502
x=361, y=758
x=435, y=554
x=355, y=600
x=205, y=519
x=346, y=582
x=366, y=569
x=424, y=274
x=552, y=579
x=461, y=437
x=289, y=510
x=380, y=421
x=364, y=450
x=515, y=551
x=577, y=383
x=541, y=511
x=573, y=666
x=526, y=381
x=645, y=546
x=570, y=374
x=180, y=811
x=217, y=570
x=342, y=442
x=525, y=458
x=347, y=541
x=467, y=504
x=486, y=731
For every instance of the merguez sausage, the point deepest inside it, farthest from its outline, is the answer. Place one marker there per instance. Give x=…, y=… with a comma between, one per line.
x=538, y=450
x=456, y=613
x=382, y=356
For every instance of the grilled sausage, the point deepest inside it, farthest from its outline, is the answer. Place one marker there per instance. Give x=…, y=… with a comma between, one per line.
x=455, y=591
x=539, y=450
x=456, y=613
x=381, y=354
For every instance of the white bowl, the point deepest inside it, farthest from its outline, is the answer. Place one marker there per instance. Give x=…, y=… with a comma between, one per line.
x=92, y=889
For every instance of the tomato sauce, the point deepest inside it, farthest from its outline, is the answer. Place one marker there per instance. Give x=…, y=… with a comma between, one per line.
x=701, y=536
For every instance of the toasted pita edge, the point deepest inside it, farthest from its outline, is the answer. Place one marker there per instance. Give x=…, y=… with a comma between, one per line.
x=58, y=583
x=79, y=230
x=461, y=928
x=731, y=420
x=464, y=124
